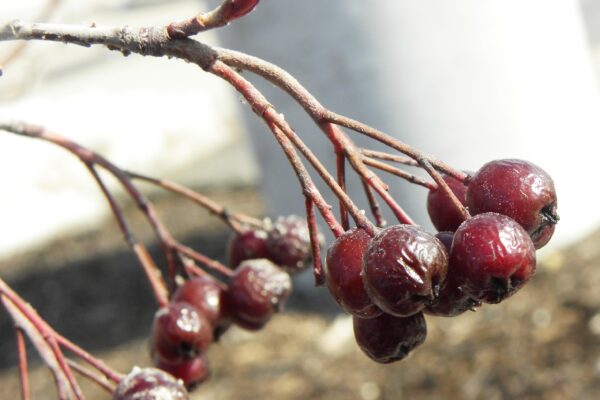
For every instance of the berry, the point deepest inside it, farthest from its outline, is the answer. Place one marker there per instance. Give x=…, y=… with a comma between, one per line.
x=386, y=338
x=403, y=269
x=246, y=245
x=257, y=290
x=446, y=238
x=519, y=190
x=289, y=244
x=149, y=384
x=192, y=372
x=204, y=293
x=180, y=331
x=492, y=257
x=344, y=264
x=443, y=213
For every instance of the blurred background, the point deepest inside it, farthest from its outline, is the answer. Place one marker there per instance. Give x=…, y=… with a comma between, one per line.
x=468, y=82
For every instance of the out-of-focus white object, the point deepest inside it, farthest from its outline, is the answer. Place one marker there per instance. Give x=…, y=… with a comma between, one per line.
x=156, y=116
x=468, y=81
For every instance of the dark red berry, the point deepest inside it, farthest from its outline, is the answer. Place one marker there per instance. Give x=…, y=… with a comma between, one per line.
x=192, y=372
x=403, y=269
x=249, y=244
x=149, y=384
x=444, y=215
x=387, y=338
x=257, y=290
x=180, y=331
x=519, y=190
x=492, y=257
x=289, y=243
x=344, y=280
x=204, y=293
x=446, y=238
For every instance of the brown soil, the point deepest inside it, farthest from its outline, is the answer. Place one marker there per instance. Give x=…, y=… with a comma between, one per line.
x=544, y=343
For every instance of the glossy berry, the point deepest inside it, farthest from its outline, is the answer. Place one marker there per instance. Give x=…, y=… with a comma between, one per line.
x=192, y=372
x=289, y=243
x=443, y=214
x=403, y=269
x=257, y=290
x=247, y=245
x=344, y=280
x=204, y=293
x=386, y=338
x=179, y=332
x=149, y=384
x=492, y=257
x=519, y=190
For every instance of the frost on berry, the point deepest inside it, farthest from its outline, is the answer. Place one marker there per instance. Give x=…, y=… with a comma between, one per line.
x=492, y=257
x=387, y=338
x=289, y=243
x=257, y=290
x=149, y=384
x=179, y=331
x=204, y=293
x=403, y=269
x=344, y=280
x=520, y=190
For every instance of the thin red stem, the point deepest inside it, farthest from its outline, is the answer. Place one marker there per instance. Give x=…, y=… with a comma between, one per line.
x=381, y=155
x=23, y=370
x=374, y=205
x=311, y=220
x=104, y=369
x=201, y=258
x=400, y=173
x=340, y=161
x=87, y=373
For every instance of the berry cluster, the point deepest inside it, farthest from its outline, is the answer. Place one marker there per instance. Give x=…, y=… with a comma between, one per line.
x=387, y=282
x=202, y=308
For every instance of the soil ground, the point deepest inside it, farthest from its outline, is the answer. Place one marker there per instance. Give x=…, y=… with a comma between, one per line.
x=544, y=343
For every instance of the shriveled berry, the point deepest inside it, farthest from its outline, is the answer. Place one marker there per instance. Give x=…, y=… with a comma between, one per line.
x=149, y=384
x=443, y=214
x=387, y=338
x=289, y=243
x=520, y=190
x=192, y=372
x=403, y=269
x=492, y=257
x=204, y=293
x=180, y=331
x=257, y=290
x=249, y=244
x=344, y=280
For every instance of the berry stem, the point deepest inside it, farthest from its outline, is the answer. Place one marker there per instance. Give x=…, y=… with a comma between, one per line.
x=399, y=173
x=159, y=288
x=205, y=260
x=23, y=370
x=108, y=372
x=92, y=376
x=311, y=220
x=233, y=220
x=374, y=205
x=442, y=184
x=340, y=166
x=381, y=155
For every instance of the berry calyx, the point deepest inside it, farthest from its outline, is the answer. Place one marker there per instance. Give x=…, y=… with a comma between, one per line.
x=180, y=332
x=289, y=244
x=256, y=291
x=387, y=338
x=520, y=190
x=344, y=280
x=403, y=269
x=443, y=213
x=149, y=384
x=492, y=257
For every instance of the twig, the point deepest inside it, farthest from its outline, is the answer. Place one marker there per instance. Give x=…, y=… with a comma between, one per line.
x=23, y=370
x=92, y=376
x=311, y=220
x=399, y=173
